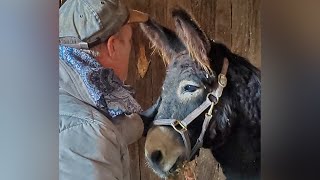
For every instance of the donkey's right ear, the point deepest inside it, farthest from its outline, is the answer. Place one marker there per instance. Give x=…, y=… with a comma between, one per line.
x=160, y=37
x=149, y=115
x=153, y=110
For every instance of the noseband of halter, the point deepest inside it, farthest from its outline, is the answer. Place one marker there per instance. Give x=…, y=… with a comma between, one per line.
x=211, y=100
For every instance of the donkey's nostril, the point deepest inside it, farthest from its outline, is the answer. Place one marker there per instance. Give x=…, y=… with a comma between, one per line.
x=156, y=157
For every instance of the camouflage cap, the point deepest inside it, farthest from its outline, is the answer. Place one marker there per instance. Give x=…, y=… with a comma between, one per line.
x=86, y=23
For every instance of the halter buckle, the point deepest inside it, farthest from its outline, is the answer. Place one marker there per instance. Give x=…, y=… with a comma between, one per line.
x=222, y=80
x=178, y=126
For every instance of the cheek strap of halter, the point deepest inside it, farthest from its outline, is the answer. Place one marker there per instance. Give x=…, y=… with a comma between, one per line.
x=211, y=100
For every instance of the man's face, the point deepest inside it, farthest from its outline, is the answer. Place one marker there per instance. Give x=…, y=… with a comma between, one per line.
x=116, y=52
x=123, y=48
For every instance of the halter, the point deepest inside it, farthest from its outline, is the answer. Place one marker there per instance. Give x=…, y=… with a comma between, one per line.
x=211, y=100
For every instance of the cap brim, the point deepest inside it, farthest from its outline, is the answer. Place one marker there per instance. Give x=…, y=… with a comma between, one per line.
x=137, y=16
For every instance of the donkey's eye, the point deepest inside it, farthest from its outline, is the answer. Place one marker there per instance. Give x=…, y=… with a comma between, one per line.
x=190, y=88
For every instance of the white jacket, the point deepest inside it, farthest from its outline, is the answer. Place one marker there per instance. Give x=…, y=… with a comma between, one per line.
x=91, y=146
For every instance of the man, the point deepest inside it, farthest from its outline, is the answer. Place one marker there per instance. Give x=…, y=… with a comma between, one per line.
x=97, y=114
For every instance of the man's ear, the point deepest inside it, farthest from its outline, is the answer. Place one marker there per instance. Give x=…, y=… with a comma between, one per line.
x=110, y=43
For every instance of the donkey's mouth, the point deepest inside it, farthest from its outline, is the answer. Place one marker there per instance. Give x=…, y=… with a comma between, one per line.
x=177, y=165
x=175, y=168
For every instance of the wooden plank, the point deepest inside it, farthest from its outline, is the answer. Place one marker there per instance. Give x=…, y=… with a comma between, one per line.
x=158, y=10
x=246, y=29
x=223, y=22
x=203, y=10
x=134, y=160
x=240, y=28
x=254, y=53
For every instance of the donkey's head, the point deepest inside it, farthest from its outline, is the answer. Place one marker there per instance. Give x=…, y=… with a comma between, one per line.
x=190, y=77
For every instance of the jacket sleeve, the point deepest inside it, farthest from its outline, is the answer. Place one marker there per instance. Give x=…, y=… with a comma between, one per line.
x=91, y=151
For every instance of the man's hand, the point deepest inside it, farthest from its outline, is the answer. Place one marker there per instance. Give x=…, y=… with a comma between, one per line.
x=130, y=126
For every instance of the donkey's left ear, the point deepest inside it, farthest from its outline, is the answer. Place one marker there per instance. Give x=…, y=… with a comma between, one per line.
x=190, y=33
x=161, y=38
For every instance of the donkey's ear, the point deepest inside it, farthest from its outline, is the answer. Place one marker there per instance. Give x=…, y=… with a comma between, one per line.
x=162, y=39
x=194, y=39
x=149, y=115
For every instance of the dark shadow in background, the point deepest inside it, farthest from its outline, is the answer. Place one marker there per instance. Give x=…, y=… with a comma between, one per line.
x=290, y=89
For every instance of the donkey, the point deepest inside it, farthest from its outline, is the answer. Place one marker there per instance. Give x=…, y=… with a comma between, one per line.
x=197, y=107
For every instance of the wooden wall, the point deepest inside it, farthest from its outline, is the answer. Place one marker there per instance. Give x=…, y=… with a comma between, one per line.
x=236, y=23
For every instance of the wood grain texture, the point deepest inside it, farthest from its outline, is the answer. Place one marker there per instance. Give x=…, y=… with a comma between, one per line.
x=239, y=27
x=223, y=22
x=254, y=53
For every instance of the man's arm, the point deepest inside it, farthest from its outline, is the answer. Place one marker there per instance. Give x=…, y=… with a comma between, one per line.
x=130, y=126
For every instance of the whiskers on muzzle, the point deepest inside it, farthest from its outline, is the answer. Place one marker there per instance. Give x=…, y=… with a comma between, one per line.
x=167, y=170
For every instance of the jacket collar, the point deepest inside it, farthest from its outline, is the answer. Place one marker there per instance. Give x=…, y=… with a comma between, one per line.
x=83, y=77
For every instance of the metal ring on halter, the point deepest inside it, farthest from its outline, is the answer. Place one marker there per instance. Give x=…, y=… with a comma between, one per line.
x=212, y=98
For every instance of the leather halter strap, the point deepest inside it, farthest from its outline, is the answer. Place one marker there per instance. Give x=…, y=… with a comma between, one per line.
x=211, y=100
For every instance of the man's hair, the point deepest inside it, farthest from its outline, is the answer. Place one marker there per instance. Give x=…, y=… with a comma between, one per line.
x=96, y=50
